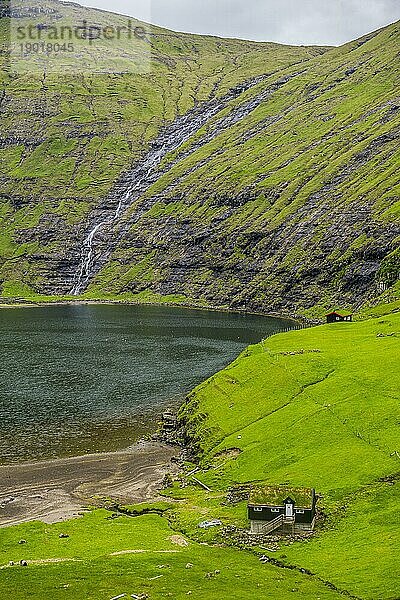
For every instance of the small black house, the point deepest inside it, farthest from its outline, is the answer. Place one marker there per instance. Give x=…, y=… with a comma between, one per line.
x=337, y=316
x=284, y=509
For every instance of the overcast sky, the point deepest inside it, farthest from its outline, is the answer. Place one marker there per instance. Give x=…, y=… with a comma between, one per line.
x=327, y=22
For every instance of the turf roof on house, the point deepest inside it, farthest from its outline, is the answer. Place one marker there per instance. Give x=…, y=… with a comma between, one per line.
x=342, y=313
x=276, y=495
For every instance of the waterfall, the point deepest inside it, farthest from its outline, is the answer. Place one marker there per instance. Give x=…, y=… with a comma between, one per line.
x=136, y=182
x=84, y=272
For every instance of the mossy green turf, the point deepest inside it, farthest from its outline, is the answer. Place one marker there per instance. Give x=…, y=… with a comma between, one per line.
x=322, y=148
x=310, y=408
x=321, y=124
x=316, y=408
x=323, y=396
x=77, y=133
x=276, y=495
x=89, y=566
x=359, y=550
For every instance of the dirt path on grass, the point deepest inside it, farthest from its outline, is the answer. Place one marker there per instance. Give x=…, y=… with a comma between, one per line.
x=57, y=490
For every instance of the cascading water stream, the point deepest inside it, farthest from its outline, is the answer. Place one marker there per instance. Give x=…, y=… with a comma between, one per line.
x=144, y=171
x=87, y=254
x=84, y=272
x=136, y=182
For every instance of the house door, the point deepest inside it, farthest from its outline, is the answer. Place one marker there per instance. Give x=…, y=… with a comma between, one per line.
x=289, y=510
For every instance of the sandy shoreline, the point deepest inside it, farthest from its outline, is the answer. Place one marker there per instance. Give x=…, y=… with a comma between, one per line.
x=57, y=490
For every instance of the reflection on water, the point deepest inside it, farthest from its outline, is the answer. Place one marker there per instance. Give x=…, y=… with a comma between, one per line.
x=81, y=378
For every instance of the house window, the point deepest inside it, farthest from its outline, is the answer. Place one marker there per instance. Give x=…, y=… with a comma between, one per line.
x=258, y=509
x=337, y=318
x=300, y=512
x=275, y=510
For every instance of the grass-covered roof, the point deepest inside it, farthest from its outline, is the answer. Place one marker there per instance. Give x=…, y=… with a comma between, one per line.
x=339, y=311
x=275, y=495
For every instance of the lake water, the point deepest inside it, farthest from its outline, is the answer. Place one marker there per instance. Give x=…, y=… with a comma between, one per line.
x=87, y=378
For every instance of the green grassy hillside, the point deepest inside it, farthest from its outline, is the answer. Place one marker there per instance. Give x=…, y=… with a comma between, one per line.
x=298, y=197
x=65, y=139
x=70, y=137
x=284, y=196
x=331, y=386
x=107, y=558
x=315, y=407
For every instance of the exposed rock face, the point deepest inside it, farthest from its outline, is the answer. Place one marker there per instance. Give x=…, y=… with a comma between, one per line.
x=274, y=193
x=109, y=225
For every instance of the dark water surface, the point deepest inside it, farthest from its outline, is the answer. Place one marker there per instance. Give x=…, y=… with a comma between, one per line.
x=85, y=378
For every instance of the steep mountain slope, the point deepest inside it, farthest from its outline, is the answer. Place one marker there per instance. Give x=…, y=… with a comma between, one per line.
x=319, y=408
x=233, y=173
